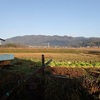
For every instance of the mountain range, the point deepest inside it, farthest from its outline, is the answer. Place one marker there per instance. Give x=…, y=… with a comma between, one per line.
x=43, y=40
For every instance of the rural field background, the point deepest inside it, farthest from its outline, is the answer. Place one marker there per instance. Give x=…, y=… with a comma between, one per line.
x=70, y=54
x=81, y=67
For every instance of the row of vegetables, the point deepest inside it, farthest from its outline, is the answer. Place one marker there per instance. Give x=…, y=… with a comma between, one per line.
x=73, y=64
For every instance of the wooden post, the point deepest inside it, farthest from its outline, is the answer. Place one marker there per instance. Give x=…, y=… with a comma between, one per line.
x=43, y=61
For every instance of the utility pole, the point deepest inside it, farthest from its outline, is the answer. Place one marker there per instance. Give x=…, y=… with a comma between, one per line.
x=48, y=45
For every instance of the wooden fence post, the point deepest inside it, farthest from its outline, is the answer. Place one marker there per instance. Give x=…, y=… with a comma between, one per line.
x=43, y=61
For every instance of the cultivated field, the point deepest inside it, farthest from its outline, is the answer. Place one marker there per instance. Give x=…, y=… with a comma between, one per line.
x=72, y=69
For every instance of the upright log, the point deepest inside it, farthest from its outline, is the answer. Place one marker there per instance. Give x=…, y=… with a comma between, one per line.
x=43, y=65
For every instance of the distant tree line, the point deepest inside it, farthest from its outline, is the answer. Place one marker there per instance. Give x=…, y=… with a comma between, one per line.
x=15, y=45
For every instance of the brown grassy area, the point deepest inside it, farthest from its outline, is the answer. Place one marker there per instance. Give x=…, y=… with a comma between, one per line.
x=70, y=54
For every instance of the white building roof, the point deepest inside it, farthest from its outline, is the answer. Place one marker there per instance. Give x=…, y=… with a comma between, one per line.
x=6, y=57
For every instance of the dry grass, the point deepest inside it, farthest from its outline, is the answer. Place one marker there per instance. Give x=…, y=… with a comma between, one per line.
x=58, y=56
x=70, y=54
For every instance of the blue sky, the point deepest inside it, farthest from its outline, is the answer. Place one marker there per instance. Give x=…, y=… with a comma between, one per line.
x=49, y=17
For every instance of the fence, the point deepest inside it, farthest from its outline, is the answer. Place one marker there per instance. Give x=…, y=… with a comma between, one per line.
x=19, y=84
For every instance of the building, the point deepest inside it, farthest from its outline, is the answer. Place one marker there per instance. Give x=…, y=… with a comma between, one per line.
x=1, y=40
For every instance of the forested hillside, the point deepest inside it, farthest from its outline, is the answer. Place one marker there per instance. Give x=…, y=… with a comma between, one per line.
x=43, y=40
